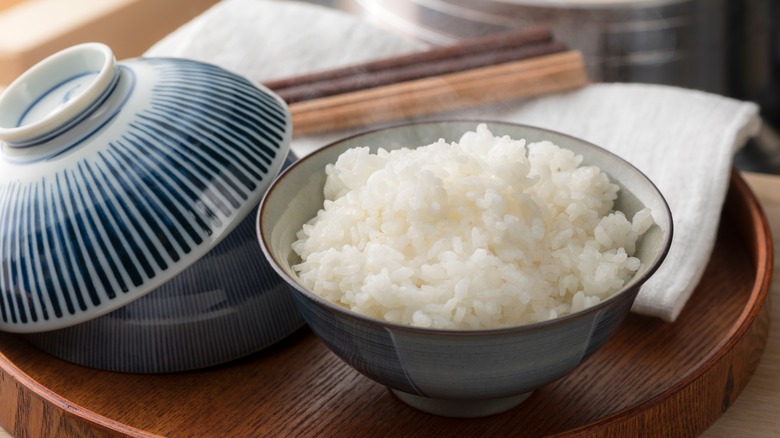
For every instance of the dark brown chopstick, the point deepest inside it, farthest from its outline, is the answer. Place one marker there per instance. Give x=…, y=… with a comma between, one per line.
x=464, y=55
x=359, y=82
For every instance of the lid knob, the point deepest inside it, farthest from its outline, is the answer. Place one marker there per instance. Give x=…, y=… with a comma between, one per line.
x=55, y=94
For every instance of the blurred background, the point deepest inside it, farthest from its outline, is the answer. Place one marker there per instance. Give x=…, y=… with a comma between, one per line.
x=728, y=47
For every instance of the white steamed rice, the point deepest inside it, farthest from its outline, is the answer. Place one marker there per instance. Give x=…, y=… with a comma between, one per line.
x=486, y=232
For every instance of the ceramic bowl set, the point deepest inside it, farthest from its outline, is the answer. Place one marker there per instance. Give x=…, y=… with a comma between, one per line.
x=129, y=198
x=128, y=195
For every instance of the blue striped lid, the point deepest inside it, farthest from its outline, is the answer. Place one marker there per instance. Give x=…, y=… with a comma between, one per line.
x=158, y=160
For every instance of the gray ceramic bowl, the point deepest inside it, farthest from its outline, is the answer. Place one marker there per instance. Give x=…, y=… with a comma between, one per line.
x=457, y=373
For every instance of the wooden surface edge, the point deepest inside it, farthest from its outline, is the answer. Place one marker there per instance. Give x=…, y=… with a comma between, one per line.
x=37, y=408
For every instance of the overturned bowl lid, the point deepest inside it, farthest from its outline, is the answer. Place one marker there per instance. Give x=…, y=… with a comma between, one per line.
x=116, y=176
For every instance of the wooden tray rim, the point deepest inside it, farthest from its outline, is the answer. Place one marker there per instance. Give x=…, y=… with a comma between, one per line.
x=758, y=300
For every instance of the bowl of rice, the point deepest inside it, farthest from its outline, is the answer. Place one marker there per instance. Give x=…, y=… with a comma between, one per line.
x=464, y=264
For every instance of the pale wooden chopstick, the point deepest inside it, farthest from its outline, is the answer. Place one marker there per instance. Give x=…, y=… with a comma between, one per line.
x=405, y=100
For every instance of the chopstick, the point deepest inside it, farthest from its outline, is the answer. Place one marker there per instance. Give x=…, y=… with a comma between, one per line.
x=494, y=83
x=464, y=55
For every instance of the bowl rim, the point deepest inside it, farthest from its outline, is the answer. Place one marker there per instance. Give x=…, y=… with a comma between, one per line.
x=631, y=287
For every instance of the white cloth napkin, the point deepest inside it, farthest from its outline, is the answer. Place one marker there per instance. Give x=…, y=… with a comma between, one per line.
x=683, y=140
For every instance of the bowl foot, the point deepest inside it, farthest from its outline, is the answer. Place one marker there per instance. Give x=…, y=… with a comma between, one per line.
x=461, y=408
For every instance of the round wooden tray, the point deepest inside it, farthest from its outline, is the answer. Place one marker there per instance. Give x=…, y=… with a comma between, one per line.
x=668, y=379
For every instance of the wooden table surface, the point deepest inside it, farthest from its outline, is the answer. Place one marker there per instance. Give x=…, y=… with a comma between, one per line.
x=756, y=413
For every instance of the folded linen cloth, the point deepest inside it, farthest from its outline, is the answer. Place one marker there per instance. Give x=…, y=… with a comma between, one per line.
x=683, y=140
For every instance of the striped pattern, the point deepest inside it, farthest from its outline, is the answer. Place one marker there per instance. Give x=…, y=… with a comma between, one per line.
x=228, y=304
x=148, y=200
